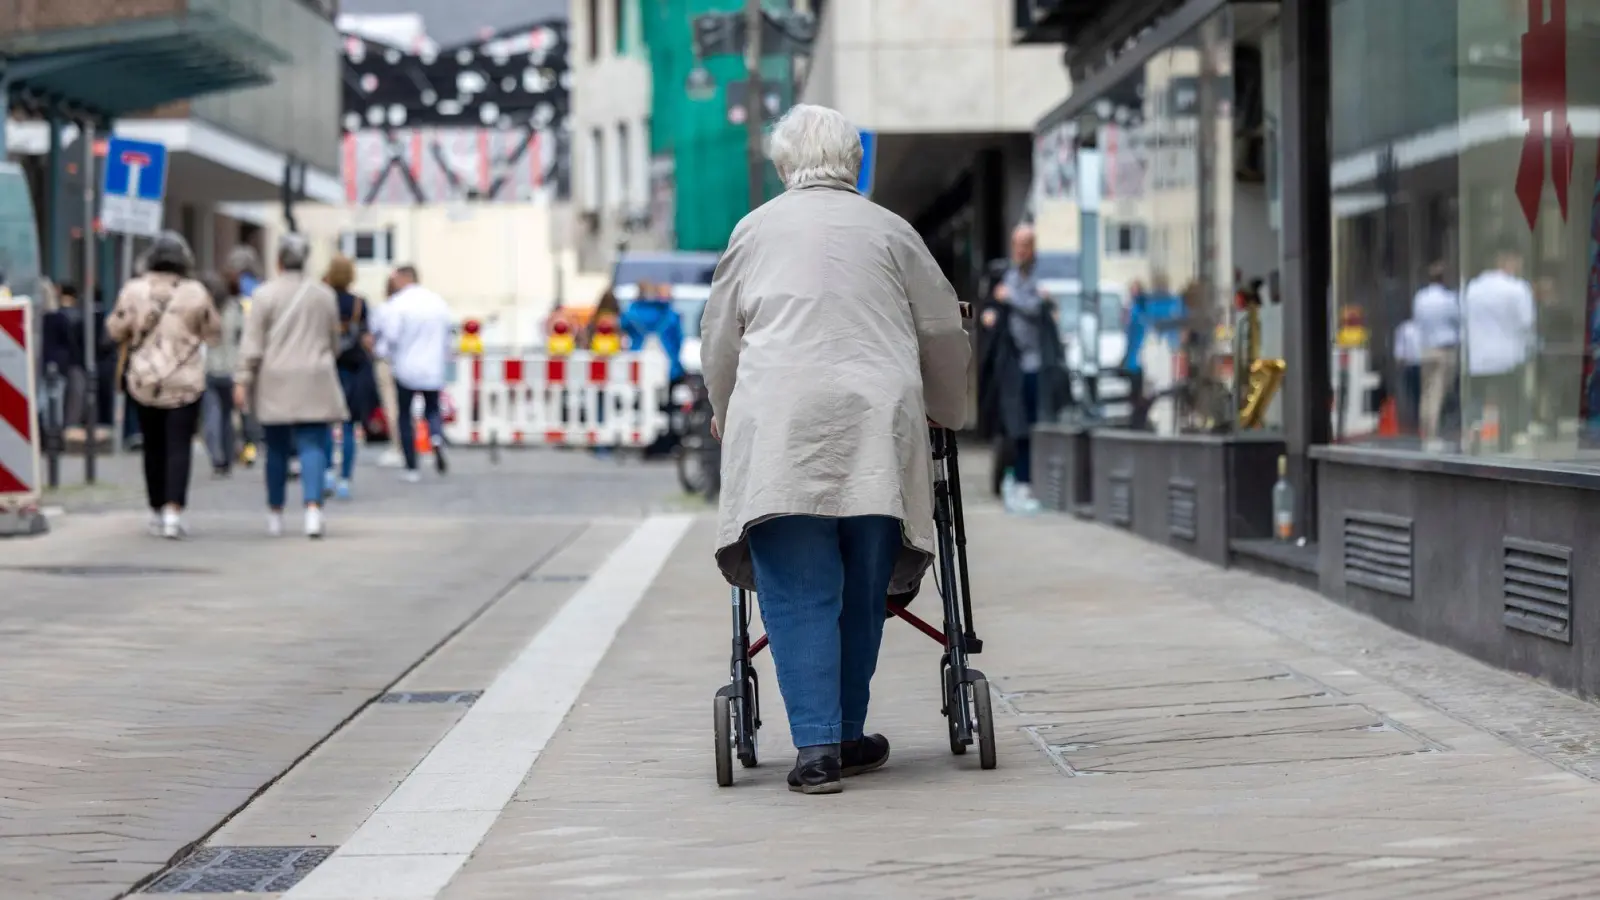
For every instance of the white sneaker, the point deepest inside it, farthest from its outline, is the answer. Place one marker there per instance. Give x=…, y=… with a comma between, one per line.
x=1022, y=501
x=275, y=524
x=172, y=525
x=391, y=459
x=411, y=476
x=313, y=521
x=155, y=525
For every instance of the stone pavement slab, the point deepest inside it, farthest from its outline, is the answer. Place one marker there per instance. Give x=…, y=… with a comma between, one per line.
x=155, y=687
x=1163, y=732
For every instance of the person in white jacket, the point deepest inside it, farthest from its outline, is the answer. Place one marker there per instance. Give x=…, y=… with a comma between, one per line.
x=1499, y=315
x=413, y=331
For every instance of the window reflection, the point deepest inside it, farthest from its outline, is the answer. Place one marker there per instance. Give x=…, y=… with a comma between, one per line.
x=1189, y=226
x=1464, y=224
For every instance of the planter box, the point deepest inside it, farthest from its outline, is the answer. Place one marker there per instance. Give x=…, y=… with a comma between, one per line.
x=1195, y=493
x=1062, y=479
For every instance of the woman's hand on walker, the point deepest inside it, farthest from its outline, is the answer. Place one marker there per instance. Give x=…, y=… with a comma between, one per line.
x=716, y=433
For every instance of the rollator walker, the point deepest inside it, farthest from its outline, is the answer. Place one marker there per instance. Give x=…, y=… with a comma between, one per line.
x=966, y=703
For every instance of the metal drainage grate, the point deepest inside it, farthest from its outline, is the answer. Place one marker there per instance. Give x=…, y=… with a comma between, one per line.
x=1182, y=519
x=104, y=570
x=409, y=697
x=1377, y=552
x=1537, y=586
x=226, y=870
x=1121, y=502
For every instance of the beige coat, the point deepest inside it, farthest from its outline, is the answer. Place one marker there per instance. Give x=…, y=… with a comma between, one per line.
x=164, y=322
x=830, y=339
x=287, y=352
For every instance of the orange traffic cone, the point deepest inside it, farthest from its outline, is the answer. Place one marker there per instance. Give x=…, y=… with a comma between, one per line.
x=1388, y=419
x=424, y=441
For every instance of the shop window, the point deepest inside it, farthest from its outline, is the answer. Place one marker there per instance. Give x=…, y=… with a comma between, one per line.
x=1464, y=205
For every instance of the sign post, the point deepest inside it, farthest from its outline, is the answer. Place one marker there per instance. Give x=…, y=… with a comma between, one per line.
x=19, y=418
x=135, y=187
x=132, y=200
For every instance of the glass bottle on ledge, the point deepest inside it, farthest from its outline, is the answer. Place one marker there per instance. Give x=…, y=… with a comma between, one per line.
x=1283, y=504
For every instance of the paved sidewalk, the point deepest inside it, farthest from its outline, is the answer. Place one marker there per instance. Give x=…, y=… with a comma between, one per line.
x=154, y=687
x=1164, y=732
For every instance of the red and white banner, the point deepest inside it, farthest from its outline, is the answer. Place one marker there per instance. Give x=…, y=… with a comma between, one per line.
x=582, y=399
x=19, y=431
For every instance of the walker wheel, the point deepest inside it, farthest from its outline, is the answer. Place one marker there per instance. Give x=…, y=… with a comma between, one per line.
x=953, y=708
x=724, y=731
x=985, y=717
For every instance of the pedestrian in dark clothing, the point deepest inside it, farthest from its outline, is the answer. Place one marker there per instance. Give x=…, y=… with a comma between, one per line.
x=217, y=408
x=356, y=374
x=62, y=339
x=1023, y=376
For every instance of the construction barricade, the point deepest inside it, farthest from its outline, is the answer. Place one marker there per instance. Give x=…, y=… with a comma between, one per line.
x=581, y=399
x=19, y=421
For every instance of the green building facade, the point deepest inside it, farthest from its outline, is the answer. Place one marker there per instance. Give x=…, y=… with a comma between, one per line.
x=708, y=151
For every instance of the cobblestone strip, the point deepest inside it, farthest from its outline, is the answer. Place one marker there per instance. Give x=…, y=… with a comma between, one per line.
x=1550, y=724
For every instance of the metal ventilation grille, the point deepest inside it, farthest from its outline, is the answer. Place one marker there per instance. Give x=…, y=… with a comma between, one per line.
x=1377, y=552
x=1537, y=585
x=1122, y=498
x=1181, y=516
x=1054, y=494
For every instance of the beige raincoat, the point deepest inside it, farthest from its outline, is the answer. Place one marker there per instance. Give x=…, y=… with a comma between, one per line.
x=830, y=339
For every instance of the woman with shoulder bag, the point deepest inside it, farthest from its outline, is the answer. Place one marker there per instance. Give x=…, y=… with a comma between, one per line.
x=354, y=360
x=164, y=318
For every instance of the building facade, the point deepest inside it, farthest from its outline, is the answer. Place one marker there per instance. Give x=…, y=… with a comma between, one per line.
x=263, y=102
x=951, y=103
x=1427, y=212
x=612, y=131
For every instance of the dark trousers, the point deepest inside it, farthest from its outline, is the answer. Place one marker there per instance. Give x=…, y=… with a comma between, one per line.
x=1022, y=467
x=168, y=452
x=407, y=427
x=1410, y=399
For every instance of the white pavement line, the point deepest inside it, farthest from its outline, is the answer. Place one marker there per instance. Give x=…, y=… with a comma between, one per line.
x=416, y=842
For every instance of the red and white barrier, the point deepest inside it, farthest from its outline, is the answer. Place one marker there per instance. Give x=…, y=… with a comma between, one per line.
x=19, y=413
x=577, y=400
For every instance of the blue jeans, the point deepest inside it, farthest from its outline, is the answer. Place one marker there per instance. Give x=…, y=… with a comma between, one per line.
x=822, y=585
x=309, y=442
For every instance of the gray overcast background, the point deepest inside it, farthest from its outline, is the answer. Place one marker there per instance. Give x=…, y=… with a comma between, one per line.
x=452, y=21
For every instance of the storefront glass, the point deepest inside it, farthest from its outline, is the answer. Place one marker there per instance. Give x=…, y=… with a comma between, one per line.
x=1168, y=223
x=1466, y=226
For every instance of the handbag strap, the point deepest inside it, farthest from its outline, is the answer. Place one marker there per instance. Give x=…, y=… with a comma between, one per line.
x=280, y=318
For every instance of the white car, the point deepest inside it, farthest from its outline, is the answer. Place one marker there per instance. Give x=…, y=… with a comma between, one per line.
x=1078, y=327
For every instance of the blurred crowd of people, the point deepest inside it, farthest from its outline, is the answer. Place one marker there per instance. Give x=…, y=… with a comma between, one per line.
x=295, y=368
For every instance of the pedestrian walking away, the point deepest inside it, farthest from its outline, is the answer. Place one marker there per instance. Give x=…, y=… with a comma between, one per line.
x=288, y=378
x=831, y=339
x=1023, y=364
x=217, y=411
x=164, y=319
x=414, y=333
x=356, y=376
x=243, y=274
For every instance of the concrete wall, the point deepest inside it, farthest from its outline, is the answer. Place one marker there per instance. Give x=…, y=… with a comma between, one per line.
x=929, y=66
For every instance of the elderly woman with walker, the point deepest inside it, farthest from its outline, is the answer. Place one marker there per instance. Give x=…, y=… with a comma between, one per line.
x=830, y=342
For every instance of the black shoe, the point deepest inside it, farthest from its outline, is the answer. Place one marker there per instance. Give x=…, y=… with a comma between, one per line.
x=816, y=770
x=438, y=460
x=858, y=757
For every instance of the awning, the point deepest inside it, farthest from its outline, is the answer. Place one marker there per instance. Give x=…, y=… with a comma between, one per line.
x=135, y=65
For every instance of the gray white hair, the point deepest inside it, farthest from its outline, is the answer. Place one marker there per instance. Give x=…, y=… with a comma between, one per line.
x=814, y=143
x=293, y=252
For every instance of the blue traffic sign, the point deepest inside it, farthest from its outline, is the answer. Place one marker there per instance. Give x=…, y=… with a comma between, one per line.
x=136, y=169
x=135, y=187
x=869, y=157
